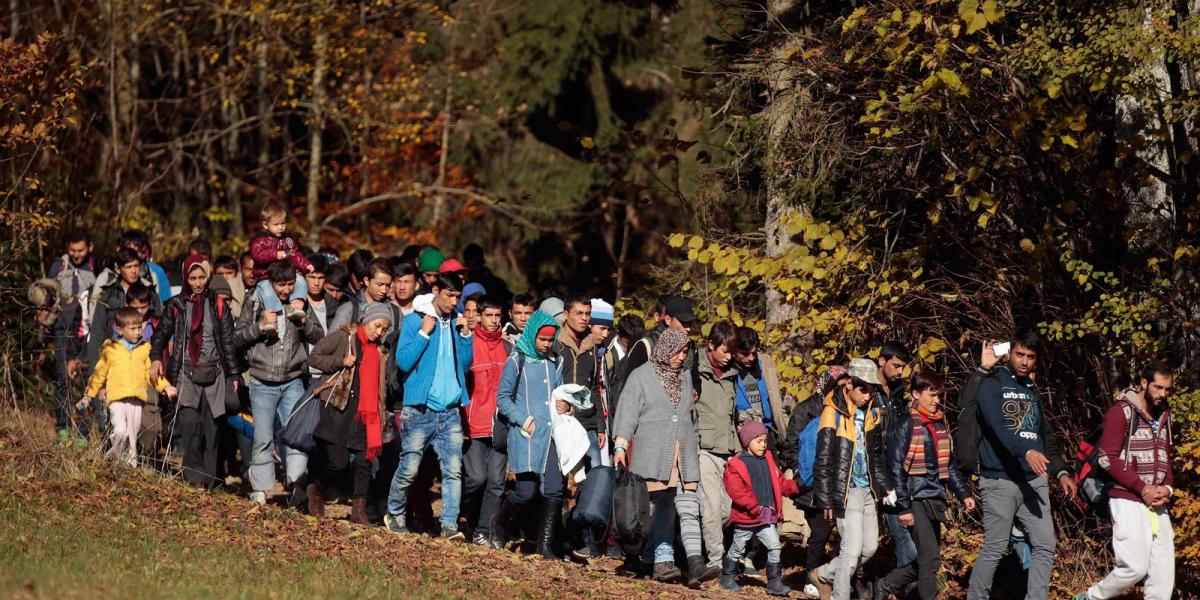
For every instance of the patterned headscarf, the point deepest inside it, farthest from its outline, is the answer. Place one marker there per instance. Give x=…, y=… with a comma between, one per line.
x=827, y=379
x=669, y=343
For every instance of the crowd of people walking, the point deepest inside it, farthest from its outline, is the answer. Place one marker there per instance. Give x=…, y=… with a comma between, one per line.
x=310, y=379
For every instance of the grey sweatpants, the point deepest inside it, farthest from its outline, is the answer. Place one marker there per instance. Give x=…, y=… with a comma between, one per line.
x=1144, y=547
x=715, y=505
x=1029, y=503
x=858, y=525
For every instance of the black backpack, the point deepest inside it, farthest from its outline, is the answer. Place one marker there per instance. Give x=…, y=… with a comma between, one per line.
x=620, y=371
x=968, y=434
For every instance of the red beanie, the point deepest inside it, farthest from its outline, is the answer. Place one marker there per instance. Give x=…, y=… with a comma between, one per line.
x=749, y=431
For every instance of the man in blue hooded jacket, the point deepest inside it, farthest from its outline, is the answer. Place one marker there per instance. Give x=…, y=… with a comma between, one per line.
x=433, y=355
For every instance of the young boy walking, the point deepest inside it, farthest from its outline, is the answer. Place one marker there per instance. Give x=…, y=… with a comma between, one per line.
x=848, y=475
x=923, y=470
x=757, y=487
x=123, y=371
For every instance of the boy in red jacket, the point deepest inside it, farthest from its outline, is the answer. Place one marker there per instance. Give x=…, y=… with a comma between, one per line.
x=271, y=245
x=757, y=487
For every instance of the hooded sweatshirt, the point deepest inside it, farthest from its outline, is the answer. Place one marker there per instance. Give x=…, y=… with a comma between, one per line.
x=483, y=381
x=1012, y=425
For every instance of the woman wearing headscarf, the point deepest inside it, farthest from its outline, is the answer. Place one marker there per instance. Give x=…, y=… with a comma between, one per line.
x=524, y=402
x=658, y=401
x=202, y=366
x=351, y=416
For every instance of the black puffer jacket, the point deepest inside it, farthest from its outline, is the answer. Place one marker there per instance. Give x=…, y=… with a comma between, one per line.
x=919, y=487
x=788, y=453
x=175, y=325
x=835, y=453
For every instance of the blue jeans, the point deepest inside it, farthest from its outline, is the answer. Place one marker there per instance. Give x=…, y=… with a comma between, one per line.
x=420, y=428
x=767, y=535
x=660, y=542
x=906, y=548
x=267, y=402
x=270, y=300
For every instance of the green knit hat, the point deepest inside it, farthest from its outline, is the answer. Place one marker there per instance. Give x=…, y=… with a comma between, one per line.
x=430, y=260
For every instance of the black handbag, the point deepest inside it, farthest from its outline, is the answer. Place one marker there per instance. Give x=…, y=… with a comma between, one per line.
x=298, y=430
x=202, y=374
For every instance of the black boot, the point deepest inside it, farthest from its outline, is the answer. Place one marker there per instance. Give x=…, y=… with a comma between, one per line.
x=666, y=572
x=699, y=571
x=729, y=570
x=775, y=585
x=502, y=522
x=551, y=519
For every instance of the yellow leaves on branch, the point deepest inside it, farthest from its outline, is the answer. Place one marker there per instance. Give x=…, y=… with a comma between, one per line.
x=977, y=15
x=832, y=286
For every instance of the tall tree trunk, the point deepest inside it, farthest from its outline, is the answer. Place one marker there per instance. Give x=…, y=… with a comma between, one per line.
x=778, y=118
x=123, y=74
x=230, y=113
x=14, y=18
x=314, y=134
x=263, y=178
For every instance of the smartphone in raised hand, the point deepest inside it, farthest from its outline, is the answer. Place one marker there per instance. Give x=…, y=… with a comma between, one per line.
x=1001, y=349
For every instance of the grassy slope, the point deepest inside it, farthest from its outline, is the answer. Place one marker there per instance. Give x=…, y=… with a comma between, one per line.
x=75, y=526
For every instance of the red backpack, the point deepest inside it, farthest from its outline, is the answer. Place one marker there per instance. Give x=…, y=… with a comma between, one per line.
x=1091, y=480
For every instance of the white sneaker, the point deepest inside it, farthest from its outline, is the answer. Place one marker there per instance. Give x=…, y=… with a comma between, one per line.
x=259, y=498
x=811, y=590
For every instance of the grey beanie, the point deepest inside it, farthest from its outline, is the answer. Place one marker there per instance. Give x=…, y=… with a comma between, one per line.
x=553, y=307
x=374, y=311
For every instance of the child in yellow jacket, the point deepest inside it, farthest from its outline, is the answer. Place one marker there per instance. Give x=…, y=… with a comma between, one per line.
x=123, y=370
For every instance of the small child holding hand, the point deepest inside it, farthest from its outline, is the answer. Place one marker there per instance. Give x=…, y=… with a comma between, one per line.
x=123, y=371
x=757, y=487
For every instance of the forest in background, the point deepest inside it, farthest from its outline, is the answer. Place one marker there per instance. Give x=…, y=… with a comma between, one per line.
x=834, y=174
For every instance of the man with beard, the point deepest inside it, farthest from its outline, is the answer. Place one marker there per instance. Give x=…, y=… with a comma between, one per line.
x=75, y=274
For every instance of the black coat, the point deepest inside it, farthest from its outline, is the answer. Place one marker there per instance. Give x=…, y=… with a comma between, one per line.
x=919, y=487
x=175, y=325
x=835, y=453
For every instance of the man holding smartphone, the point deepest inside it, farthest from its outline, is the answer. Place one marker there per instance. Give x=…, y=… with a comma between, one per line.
x=1017, y=457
